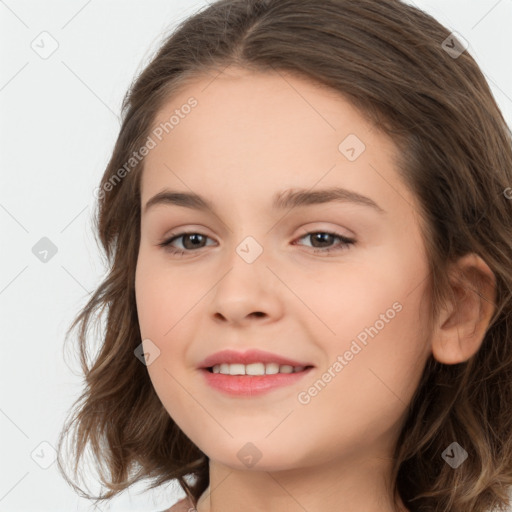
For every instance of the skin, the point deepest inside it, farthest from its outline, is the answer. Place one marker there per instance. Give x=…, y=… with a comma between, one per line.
x=250, y=136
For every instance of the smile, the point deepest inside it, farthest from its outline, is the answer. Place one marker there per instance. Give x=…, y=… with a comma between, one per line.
x=254, y=369
x=251, y=385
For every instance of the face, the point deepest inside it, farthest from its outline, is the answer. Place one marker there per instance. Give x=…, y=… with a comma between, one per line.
x=255, y=276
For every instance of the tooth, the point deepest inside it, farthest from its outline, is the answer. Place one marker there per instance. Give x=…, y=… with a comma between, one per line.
x=255, y=369
x=237, y=369
x=271, y=368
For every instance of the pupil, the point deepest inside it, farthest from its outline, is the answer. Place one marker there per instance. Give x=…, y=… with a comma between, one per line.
x=191, y=237
x=318, y=237
x=321, y=237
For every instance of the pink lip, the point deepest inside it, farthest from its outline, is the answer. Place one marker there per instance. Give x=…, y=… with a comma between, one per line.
x=248, y=357
x=251, y=385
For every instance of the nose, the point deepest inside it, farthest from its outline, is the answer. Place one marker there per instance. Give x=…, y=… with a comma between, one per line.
x=247, y=292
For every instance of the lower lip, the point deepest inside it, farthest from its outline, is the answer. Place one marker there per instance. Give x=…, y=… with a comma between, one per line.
x=251, y=385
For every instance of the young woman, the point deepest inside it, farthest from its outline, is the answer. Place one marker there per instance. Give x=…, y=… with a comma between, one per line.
x=308, y=219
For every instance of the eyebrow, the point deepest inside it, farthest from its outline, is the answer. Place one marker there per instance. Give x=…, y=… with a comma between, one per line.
x=291, y=198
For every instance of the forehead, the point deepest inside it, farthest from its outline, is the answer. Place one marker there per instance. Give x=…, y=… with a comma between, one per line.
x=261, y=132
x=250, y=108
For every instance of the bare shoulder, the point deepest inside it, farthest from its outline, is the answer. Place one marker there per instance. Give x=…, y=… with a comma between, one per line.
x=183, y=505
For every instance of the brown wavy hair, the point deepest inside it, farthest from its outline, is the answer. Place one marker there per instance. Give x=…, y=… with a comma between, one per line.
x=387, y=58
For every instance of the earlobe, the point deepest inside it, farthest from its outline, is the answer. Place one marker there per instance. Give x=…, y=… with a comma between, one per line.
x=462, y=325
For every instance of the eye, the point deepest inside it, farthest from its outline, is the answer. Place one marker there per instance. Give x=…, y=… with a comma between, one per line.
x=189, y=235
x=196, y=239
x=323, y=237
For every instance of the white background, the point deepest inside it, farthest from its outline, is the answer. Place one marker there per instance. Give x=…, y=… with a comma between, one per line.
x=59, y=121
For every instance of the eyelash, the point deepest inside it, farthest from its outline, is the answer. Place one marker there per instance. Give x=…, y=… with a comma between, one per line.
x=346, y=242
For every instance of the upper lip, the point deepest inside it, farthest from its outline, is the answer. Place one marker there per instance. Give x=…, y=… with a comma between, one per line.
x=248, y=357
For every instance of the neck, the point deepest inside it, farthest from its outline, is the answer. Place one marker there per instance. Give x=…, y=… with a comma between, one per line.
x=350, y=486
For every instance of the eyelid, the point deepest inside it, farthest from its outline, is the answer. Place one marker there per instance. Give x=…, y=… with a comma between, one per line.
x=201, y=230
x=346, y=241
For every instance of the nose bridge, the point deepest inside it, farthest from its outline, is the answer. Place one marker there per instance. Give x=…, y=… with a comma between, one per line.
x=249, y=236
x=247, y=265
x=247, y=286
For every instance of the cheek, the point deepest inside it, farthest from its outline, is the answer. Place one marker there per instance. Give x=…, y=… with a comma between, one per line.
x=385, y=346
x=382, y=358
x=377, y=322
x=348, y=298
x=163, y=296
x=165, y=301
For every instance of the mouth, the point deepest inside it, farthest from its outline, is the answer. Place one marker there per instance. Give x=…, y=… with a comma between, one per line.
x=255, y=369
x=252, y=373
x=251, y=362
x=248, y=381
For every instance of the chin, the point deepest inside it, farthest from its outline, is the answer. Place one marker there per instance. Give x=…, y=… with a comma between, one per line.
x=259, y=455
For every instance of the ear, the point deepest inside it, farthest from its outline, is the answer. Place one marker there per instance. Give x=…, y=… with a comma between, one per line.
x=461, y=326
